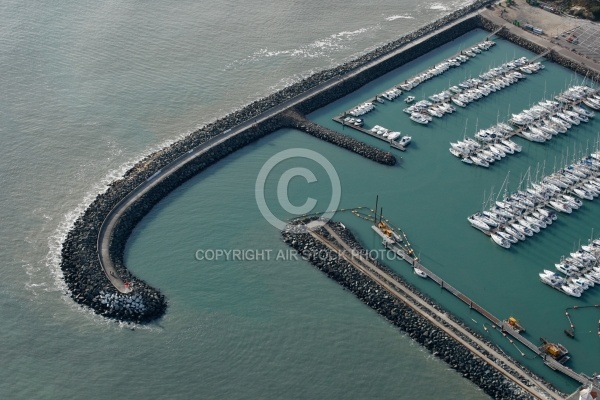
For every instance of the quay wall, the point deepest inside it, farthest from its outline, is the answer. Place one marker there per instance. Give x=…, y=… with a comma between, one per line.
x=553, y=55
x=434, y=339
x=82, y=272
x=298, y=121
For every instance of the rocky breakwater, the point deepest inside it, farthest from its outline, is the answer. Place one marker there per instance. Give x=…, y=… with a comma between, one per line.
x=83, y=274
x=85, y=278
x=296, y=120
x=436, y=340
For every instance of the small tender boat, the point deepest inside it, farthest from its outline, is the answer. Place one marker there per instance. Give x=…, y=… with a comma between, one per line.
x=419, y=272
x=409, y=99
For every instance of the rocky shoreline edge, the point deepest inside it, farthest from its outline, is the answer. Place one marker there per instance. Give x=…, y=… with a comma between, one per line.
x=88, y=285
x=86, y=282
x=396, y=312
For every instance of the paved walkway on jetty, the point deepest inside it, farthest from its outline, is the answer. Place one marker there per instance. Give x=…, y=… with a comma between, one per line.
x=110, y=222
x=534, y=386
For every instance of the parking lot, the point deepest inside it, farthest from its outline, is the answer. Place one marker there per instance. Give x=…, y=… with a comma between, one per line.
x=579, y=35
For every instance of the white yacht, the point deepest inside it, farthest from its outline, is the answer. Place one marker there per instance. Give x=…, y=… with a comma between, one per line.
x=512, y=231
x=500, y=241
x=479, y=161
x=458, y=102
x=570, y=291
x=551, y=278
x=419, y=118
x=393, y=135
x=507, y=236
x=405, y=141
x=566, y=269
x=511, y=144
x=476, y=223
x=558, y=206
x=409, y=99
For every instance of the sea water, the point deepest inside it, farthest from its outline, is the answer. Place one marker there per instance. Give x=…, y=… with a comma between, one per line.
x=428, y=194
x=88, y=89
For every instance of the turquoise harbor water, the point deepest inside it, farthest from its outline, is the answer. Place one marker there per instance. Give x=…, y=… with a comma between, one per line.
x=429, y=194
x=89, y=88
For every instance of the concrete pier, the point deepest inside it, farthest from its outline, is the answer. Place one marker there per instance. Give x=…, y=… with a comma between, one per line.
x=425, y=321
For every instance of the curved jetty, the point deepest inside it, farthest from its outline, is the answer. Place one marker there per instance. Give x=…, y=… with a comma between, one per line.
x=92, y=254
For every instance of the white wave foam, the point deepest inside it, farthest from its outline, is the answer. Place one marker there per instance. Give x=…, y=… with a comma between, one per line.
x=319, y=48
x=395, y=17
x=55, y=240
x=449, y=6
x=439, y=7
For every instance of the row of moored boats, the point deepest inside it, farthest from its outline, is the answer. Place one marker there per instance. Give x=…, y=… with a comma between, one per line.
x=577, y=273
x=362, y=109
x=391, y=135
x=390, y=95
x=539, y=123
x=549, y=118
x=526, y=212
x=423, y=111
x=439, y=69
x=484, y=151
x=470, y=90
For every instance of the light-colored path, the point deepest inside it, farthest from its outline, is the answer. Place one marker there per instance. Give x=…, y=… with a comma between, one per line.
x=439, y=319
x=110, y=222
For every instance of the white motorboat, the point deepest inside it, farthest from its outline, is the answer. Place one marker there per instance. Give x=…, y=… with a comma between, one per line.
x=551, y=278
x=409, y=99
x=526, y=224
x=558, y=206
x=500, y=241
x=584, y=256
x=572, y=201
x=479, y=161
x=542, y=217
x=393, y=135
x=478, y=224
x=419, y=272
x=512, y=145
x=512, y=231
x=593, y=277
x=458, y=102
x=534, y=221
x=566, y=269
x=419, y=118
x=584, y=194
x=570, y=291
x=551, y=214
x=498, y=153
x=507, y=236
x=405, y=141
